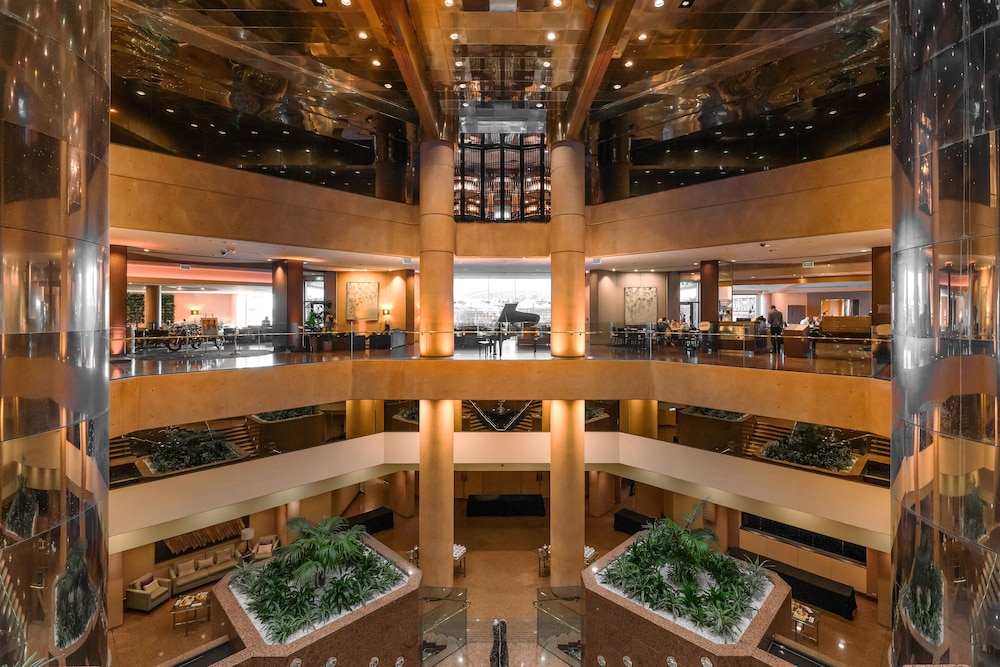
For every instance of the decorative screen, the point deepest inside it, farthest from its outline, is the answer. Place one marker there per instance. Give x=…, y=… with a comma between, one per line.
x=502, y=178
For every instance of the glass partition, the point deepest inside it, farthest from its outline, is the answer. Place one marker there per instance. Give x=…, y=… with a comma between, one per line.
x=443, y=624
x=560, y=613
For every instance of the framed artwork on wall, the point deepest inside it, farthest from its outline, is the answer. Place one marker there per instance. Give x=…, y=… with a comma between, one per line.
x=362, y=301
x=640, y=306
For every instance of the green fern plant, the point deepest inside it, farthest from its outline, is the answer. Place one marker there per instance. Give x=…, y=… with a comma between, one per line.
x=33, y=661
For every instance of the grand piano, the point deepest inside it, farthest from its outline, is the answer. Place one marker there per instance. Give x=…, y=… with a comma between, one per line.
x=510, y=315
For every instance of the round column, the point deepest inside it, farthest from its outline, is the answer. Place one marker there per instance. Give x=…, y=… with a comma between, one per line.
x=437, y=248
x=54, y=330
x=566, y=245
x=152, y=306
x=436, y=523
x=944, y=481
x=567, y=493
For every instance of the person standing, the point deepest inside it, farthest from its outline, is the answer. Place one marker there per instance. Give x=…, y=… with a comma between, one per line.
x=776, y=322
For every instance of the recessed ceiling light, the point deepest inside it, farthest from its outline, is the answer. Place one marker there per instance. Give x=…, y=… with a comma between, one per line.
x=169, y=110
x=377, y=63
x=809, y=127
x=781, y=134
x=862, y=94
x=363, y=35
x=551, y=36
x=454, y=36
x=140, y=93
x=449, y=3
x=658, y=3
x=194, y=124
x=617, y=86
x=628, y=63
x=145, y=249
x=461, y=86
x=546, y=64
x=833, y=112
x=539, y=105
x=458, y=63
x=388, y=85
x=114, y=110
x=642, y=37
x=465, y=104
x=686, y=3
x=346, y=3
x=319, y=3
x=557, y=3
x=541, y=86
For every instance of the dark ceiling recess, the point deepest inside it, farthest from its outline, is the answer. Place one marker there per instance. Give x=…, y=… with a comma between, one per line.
x=476, y=5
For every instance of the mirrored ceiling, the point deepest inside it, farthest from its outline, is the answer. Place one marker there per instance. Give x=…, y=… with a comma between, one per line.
x=339, y=92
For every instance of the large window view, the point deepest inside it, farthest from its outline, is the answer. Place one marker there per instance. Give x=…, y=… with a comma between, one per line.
x=479, y=300
x=501, y=178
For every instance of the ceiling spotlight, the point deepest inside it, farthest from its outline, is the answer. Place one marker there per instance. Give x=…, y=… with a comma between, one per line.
x=363, y=35
x=628, y=63
x=458, y=63
x=686, y=3
x=346, y=3
x=617, y=86
x=539, y=105
x=461, y=86
x=449, y=3
x=557, y=3
x=377, y=63
x=454, y=36
x=319, y=3
x=551, y=36
x=642, y=37
x=546, y=64
x=657, y=3
x=388, y=85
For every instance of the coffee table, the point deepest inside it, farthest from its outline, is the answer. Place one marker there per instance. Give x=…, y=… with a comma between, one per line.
x=190, y=609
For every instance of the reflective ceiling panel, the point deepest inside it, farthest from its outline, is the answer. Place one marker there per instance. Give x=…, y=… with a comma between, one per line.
x=679, y=94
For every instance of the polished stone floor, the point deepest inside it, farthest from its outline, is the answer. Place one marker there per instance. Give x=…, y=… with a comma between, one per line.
x=502, y=578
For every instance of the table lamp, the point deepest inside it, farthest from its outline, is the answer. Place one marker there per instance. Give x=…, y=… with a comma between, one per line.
x=247, y=534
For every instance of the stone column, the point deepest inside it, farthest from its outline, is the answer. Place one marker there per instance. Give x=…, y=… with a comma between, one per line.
x=567, y=507
x=360, y=418
x=881, y=285
x=566, y=243
x=153, y=306
x=708, y=292
x=54, y=288
x=118, y=298
x=437, y=248
x=944, y=354
x=286, y=305
x=436, y=523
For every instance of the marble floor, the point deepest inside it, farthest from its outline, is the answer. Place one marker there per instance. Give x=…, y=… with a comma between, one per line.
x=501, y=577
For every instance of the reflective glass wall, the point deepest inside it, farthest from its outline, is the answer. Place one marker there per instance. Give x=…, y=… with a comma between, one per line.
x=54, y=343
x=946, y=584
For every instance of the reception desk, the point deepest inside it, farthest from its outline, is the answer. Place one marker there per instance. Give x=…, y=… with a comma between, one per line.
x=528, y=504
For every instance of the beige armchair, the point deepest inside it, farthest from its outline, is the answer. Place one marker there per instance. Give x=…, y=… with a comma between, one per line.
x=147, y=592
x=265, y=547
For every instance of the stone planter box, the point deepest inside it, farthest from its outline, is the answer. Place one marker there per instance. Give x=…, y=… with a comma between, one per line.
x=855, y=470
x=289, y=435
x=142, y=463
x=714, y=434
x=386, y=629
x=617, y=627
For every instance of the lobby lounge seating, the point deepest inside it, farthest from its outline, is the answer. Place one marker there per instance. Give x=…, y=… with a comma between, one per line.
x=347, y=341
x=147, y=592
x=386, y=340
x=202, y=569
x=265, y=547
